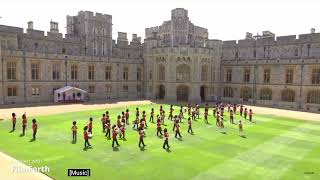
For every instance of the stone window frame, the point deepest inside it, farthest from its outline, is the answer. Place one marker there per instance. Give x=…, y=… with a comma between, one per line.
x=108, y=72
x=91, y=89
x=266, y=94
x=35, y=70
x=266, y=75
x=315, y=75
x=56, y=69
x=228, y=92
x=289, y=73
x=288, y=95
x=313, y=97
x=74, y=71
x=35, y=91
x=91, y=72
x=12, y=91
x=125, y=73
x=11, y=70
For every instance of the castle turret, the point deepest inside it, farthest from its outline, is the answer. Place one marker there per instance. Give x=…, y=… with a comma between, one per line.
x=30, y=25
x=54, y=27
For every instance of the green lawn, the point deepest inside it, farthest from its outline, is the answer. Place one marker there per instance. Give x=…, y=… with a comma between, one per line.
x=274, y=148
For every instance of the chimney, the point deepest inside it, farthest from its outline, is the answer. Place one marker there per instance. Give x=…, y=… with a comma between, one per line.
x=54, y=27
x=313, y=30
x=30, y=25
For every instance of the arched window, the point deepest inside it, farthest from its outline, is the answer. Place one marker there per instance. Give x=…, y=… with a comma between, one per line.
x=162, y=72
x=183, y=72
x=228, y=92
x=103, y=31
x=265, y=94
x=204, y=73
x=313, y=97
x=288, y=95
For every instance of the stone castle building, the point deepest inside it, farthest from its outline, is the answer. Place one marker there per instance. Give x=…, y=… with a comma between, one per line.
x=176, y=62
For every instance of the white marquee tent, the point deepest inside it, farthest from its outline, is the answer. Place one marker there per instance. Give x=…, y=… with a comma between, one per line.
x=69, y=94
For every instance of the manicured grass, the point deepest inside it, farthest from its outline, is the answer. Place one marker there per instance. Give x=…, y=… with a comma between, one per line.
x=274, y=148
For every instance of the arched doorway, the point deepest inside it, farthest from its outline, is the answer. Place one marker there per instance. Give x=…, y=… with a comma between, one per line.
x=203, y=93
x=162, y=91
x=182, y=93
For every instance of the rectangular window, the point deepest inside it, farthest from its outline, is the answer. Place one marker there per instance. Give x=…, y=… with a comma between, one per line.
x=139, y=74
x=91, y=89
x=12, y=91
x=35, y=71
x=125, y=88
x=315, y=76
x=35, y=91
x=74, y=72
x=91, y=72
x=55, y=71
x=228, y=75
x=103, y=49
x=125, y=73
x=289, y=76
x=150, y=75
x=108, y=88
x=246, y=75
x=139, y=88
x=11, y=70
x=108, y=72
x=266, y=75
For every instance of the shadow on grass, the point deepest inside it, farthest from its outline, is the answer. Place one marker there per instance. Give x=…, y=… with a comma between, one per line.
x=11, y=131
x=32, y=140
x=243, y=136
x=142, y=148
x=115, y=149
x=21, y=135
x=73, y=142
x=87, y=147
x=223, y=133
x=160, y=137
x=168, y=150
x=180, y=139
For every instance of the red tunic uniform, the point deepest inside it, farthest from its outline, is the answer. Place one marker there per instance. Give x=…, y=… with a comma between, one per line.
x=166, y=136
x=24, y=121
x=114, y=134
x=177, y=127
x=34, y=127
x=141, y=133
x=90, y=125
x=159, y=125
x=85, y=135
x=14, y=120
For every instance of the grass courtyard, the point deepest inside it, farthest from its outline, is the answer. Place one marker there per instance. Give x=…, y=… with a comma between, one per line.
x=274, y=148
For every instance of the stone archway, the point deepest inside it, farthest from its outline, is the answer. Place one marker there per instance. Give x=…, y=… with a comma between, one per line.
x=182, y=93
x=162, y=91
